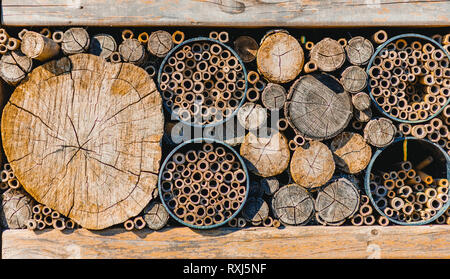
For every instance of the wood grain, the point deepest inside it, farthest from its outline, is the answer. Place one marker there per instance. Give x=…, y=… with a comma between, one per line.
x=87, y=144
x=226, y=13
x=290, y=242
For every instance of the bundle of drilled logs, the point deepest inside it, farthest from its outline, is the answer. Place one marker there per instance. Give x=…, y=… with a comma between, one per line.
x=205, y=186
x=203, y=82
x=407, y=193
x=308, y=167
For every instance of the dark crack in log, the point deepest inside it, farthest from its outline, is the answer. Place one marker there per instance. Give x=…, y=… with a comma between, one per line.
x=132, y=51
x=266, y=154
x=318, y=107
x=359, y=50
x=351, y=152
x=75, y=40
x=14, y=66
x=380, y=132
x=312, y=165
x=83, y=137
x=16, y=209
x=160, y=43
x=328, y=54
x=156, y=216
x=293, y=205
x=337, y=201
x=280, y=57
x=103, y=45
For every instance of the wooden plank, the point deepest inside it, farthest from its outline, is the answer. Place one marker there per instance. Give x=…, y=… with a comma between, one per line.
x=299, y=13
x=290, y=242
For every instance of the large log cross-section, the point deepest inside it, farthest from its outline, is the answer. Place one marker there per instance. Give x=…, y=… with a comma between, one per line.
x=83, y=137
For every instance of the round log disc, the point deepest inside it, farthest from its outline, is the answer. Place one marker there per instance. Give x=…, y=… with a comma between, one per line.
x=337, y=201
x=328, y=54
x=280, y=57
x=155, y=215
x=354, y=79
x=16, y=209
x=255, y=210
x=160, y=43
x=380, y=132
x=132, y=51
x=14, y=66
x=312, y=165
x=252, y=116
x=293, y=205
x=246, y=47
x=267, y=154
x=75, y=40
x=274, y=96
x=359, y=50
x=83, y=137
x=318, y=107
x=361, y=101
x=351, y=152
x=103, y=45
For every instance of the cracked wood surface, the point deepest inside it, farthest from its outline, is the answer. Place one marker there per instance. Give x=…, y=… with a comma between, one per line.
x=83, y=137
x=255, y=210
x=274, y=96
x=351, y=152
x=337, y=201
x=318, y=107
x=354, y=79
x=252, y=116
x=328, y=54
x=256, y=242
x=280, y=57
x=16, y=209
x=14, y=66
x=266, y=154
x=380, y=132
x=312, y=165
x=293, y=205
x=299, y=13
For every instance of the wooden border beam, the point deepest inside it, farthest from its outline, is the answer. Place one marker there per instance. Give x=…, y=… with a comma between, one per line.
x=230, y=13
x=291, y=242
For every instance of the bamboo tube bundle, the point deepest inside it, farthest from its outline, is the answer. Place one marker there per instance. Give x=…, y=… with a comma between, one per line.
x=210, y=185
x=410, y=194
x=203, y=82
x=406, y=80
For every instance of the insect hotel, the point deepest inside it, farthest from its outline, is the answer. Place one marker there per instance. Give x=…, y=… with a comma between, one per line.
x=245, y=129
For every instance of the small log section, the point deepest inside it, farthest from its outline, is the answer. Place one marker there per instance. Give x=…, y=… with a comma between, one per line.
x=293, y=205
x=255, y=210
x=246, y=47
x=359, y=50
x=337, y=201
x=35, y=45
x=14, y=66
x=237, y=13
x=266, y=154
x=252, y=116
x=16, y=209
x=87, y=143
x=354, y=79
x=274, y=96
x=155, y=215
x=75, y=40
x=103, y=45
x=351, y=152
x=280, y=57
x=318, y=107
x=328, y=54
x=160, y=43
x=380, y=132
x=312, y=165
x=374, y=242
x=132, y=51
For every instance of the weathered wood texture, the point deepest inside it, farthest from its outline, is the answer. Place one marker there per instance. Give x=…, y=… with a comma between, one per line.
x=290, y=242
x=87, y=143
x=227, y=12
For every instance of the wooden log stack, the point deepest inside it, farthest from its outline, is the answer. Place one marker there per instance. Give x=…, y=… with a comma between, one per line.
x=305, y=125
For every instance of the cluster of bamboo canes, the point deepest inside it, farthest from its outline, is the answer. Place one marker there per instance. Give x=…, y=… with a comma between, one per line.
x=367, y=216
x=410, y=81
x=44, y=216
x=8, y=179
x=9, y=43
x=137, y=223
x=240, y=222
x=203, y=83
x=436, y=130
x=204, y=187
x=256, y=86
x=407, y=193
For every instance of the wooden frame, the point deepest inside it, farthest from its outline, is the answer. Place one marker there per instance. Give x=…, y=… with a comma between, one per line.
x=230, y=13
x=257, y=242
